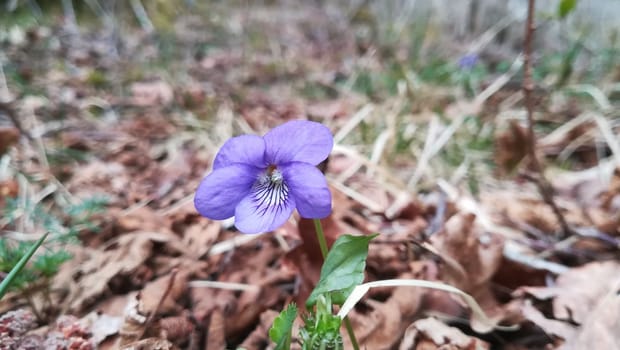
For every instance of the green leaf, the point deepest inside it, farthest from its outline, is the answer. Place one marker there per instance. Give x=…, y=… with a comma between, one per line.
x=565, y=7
x=321, y=328
x=280, y=331
x=343, y=268
x=4, y=286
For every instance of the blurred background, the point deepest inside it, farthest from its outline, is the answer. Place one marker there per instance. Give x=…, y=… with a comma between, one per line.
x=112, y=111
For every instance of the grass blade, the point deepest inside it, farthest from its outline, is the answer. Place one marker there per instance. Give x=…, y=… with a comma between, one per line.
x=4, y=286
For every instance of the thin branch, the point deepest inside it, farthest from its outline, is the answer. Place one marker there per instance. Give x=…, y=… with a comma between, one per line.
x=544, y=186
x=142, y=16
x=528, y=84
x=151, y=316
x=546, y=191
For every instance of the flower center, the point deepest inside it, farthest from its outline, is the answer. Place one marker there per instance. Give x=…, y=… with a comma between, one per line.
x=272, y=175
x=270, y=190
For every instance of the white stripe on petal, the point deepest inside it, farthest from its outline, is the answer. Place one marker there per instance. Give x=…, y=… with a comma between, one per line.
x=268, y=206
x=270, y=192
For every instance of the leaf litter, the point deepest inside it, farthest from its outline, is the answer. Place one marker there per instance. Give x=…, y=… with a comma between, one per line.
x=156, y=275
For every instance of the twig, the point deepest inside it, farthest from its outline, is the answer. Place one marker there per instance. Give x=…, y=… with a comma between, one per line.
x=546, y=191
x=151, y=316
x=7, y=99
x=528, y=83
x=142, y=16
x=544, y=187
x=69, y=13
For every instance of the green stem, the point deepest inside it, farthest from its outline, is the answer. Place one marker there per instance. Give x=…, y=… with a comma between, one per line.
x=349, y=328
x=321, y=237
x=323, y=244
x=6, y=282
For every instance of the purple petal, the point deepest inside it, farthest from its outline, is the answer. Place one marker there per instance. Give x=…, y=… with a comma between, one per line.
x=221, y=191
x=298, y=141
x=309, y=188
x=264, y=210
x=244, y=149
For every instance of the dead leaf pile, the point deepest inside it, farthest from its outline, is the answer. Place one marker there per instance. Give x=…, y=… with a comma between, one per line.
x=95, y=120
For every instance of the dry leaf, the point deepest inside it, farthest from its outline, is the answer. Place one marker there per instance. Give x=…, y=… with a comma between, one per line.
x=177, y=329
x=122, y=259
x=601, y=328
x=510, y=148
x=578, y=291
x=8, y=137
x=260, y=335
x=553, y=327
x=216, y=336
x=333, y=109
x=472, y=256
x=143, y=219
x=150, y=344
x=306, y=259
x=431, y=334
x=151, y=93
x=103, y=326
x=383, y=327
x=200, y=236
x=150, y=297
x=533, y=212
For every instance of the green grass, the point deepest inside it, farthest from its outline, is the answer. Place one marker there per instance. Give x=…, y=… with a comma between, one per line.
x=16, y=277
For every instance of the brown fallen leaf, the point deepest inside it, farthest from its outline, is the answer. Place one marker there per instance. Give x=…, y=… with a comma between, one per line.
x=516, y=208
x=134, y=323
x=580, y=139
x=102, y=326
x=601, y=328
x=8, y=189
x=306, y=258
x=150, y=344
x=8, y=137
x=150, y=297
x=510, y=148
x=332, y=109
x=609, y=198
x=122, y=260
x=260, y=111
x=200, y=236
x=13, y=325
x=216, y=335
x=431, y=334
x=261, y=282
x=552, y=327
x=143, y=219
x=471, y=256
x=373, y=190
x=177, y=329
x=578, y=291
x=151, y=93
x=192, y=96
x=383, y=327
x=259, y=336
x=69, y=332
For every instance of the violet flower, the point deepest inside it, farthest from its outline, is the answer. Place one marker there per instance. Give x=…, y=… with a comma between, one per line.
x=261, y=180
x=468, y=61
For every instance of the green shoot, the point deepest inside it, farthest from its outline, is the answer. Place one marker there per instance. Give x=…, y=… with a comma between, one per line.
x=280, y=331
x=6, y=282
x=322, y=328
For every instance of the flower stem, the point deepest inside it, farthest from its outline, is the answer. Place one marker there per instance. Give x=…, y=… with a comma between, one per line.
x=323, y=244
x=349, y=328
x=321, y=237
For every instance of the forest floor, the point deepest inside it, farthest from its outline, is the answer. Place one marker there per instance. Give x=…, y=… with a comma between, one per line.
x=107, y=130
